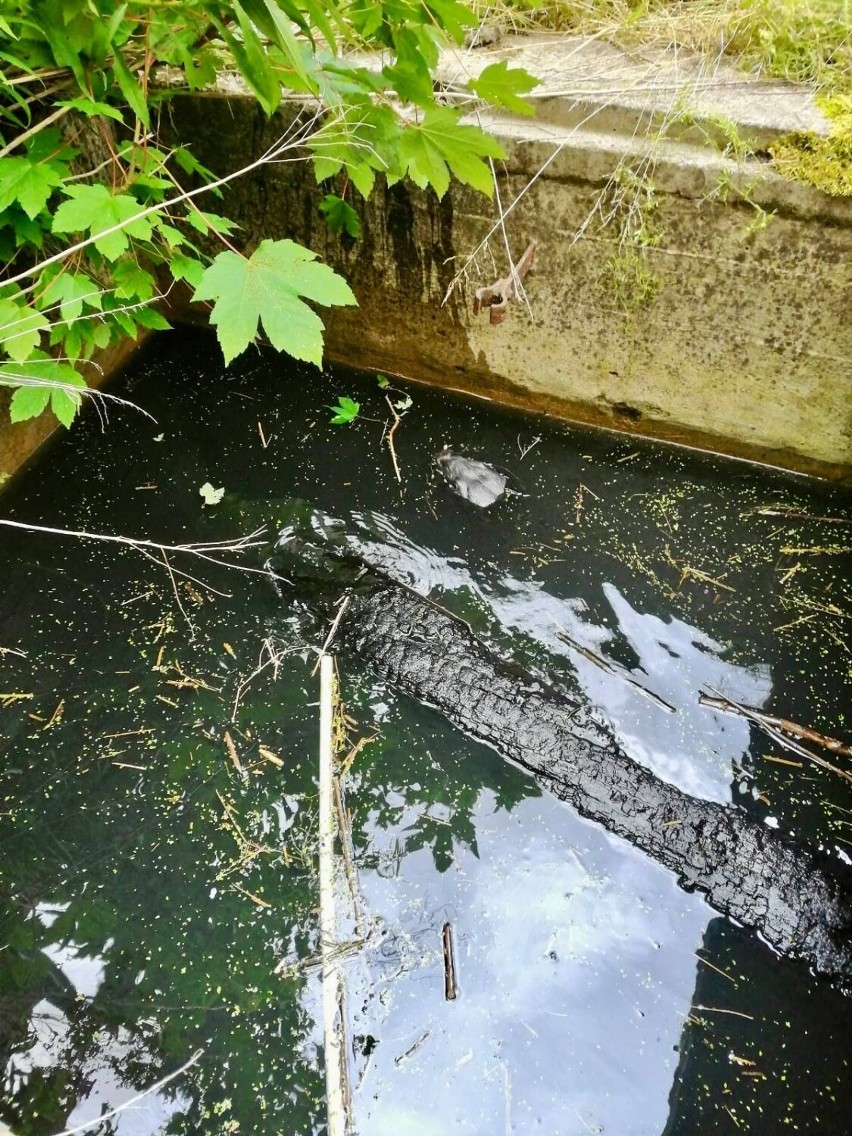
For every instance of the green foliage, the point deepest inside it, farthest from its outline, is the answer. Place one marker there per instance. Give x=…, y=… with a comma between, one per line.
x=44, y=382
x=267, y=288
x=345, y=411
x=439, y=146
x=93, y=220
x=504, y=86
x=339, y=216
x=110, y=218
x=824, y=162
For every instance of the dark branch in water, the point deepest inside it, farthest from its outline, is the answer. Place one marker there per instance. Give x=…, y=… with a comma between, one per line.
x=796, y=896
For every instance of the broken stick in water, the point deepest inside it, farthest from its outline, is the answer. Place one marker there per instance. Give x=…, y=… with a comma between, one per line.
x=782, y=730
x=332, y=975
x=450, y=988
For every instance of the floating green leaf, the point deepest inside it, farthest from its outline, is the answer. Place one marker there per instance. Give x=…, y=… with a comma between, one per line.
x=210, y=495
x=345, y=411
x=267, y=288
x=503, y=86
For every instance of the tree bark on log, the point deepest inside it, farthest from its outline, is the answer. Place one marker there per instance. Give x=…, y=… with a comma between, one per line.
x=798, y=898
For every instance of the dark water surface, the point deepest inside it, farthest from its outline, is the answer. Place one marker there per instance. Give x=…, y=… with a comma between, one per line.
x=158, y=889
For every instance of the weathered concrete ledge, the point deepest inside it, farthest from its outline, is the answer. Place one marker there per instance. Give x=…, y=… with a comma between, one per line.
x=742, y=342
x=20, y=440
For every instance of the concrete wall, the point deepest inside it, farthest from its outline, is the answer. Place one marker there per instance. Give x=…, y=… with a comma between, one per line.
x=20, y=440
x=747, y=345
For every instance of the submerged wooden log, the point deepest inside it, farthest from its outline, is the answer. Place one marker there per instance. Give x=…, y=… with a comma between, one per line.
x=798, y=898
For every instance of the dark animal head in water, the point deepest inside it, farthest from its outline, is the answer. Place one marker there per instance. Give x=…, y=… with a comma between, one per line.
x=475, y=481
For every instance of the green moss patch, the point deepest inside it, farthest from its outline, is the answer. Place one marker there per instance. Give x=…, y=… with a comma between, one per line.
x=822, y=161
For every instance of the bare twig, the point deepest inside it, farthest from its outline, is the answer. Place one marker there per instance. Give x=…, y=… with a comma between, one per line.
x=412, y=1049
x=786, y=514
x=803, y=733
x=33, y=130
x=199, y=549
x=99, y=1120
x=273, y=660
x=173, y=582
x=349, y=867
x=344, y=603
x=524, y=450
x=397, y=418
x=611, y=668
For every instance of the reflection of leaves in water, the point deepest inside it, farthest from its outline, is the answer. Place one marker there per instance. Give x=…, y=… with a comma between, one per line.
x=115, y=825
x=422, y=779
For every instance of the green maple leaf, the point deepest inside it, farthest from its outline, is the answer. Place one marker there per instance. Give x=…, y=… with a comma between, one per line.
x=30, y=183
x=20, y=329
x=53, y=378
x=339, y=215
x=452, y=16
x=267, y=288
x=30, y=180
x=132, y=282
x=93, y=209
x=440, y=145
x=70, y=291
x=501, y=86
x=183, y=267
x=345, y=411
x=211, y=496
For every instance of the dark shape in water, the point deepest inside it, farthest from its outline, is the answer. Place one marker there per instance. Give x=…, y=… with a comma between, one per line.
x=475, y=481
x=798, y=898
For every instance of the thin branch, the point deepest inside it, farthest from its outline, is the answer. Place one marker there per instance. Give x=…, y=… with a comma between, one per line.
x=201, y=550
x=181, y=608
x=389, y=436
x=785, y=725
x=33, y=130
x=612, y=669
x=271, y=154
x=344, y=603
x=99, y=1120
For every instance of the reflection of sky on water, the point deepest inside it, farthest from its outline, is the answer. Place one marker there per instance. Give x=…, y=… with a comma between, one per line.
x=575, y=953
x=103, y=1072
x=694, y=748
x=576, y=966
